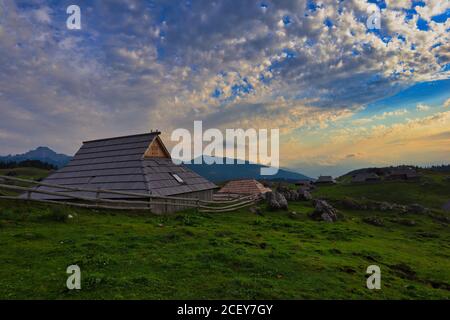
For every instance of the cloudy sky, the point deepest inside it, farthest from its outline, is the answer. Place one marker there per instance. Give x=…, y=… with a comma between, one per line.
x=342, y=95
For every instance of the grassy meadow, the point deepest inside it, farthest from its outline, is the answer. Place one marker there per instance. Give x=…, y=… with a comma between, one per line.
x=238, y=255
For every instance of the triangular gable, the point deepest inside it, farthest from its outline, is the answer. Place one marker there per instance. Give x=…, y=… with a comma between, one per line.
x=156, y=149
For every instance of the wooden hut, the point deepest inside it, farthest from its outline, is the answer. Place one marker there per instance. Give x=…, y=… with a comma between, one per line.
x=365, y=177
x=243, y=188
x=405, y=173
x=325, y=180
x=138, y=164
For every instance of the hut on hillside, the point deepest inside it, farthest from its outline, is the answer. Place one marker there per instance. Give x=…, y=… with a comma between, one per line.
x=400, y=173
x=137, y=164
x=243, y=188
x=365, y=177
x=325, y=180
x=303, y=183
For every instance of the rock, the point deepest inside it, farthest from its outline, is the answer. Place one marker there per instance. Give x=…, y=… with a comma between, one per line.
x=292, y=195
x=374, y=221
x=324, y=211
x=417, y=208
x=352, y=204
x=401, y=208
x=385, y=206
x=293, y=215
x=282, y=189
x=304, y=195
x=276, y=201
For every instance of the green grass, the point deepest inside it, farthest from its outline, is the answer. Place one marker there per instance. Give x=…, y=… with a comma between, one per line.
x=239, y=255
x=26, y=173
x=23, y=173
x=431, y=191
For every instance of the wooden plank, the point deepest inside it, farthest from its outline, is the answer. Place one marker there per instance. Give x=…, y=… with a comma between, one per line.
x=142, y=195
x=59, y=194
x=228, y=210
x=76, y=204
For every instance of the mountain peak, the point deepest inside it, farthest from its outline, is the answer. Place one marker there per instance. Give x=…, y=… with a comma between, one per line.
x=223, y=172
x=41, y=153
x=42, y=148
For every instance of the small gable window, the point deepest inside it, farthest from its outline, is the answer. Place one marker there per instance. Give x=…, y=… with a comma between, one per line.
x=177, y=177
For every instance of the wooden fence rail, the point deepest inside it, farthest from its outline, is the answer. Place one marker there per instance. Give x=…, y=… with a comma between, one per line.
x=138, y=204
x=124, y=193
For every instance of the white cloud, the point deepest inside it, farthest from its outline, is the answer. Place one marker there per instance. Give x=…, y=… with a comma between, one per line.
x=43, y=15
x=447, y=103
x=422, y=107
x=395, y=113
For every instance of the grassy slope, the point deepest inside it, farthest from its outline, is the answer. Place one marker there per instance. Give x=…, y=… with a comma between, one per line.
x=233, y=255
x=27, y=173
x=431, y=191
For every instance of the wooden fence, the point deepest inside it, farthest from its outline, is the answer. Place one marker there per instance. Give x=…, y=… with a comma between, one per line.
x=142, y=202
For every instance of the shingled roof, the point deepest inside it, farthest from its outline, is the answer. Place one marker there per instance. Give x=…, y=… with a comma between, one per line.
x=246, y=187
x=123, y=164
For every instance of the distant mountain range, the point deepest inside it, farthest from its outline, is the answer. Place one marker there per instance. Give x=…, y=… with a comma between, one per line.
x=43, y=154
x=223, y=172
x=213, y=172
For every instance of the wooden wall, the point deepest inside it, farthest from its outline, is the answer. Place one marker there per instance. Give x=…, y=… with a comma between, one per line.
x=168, y=208
x=155, y=150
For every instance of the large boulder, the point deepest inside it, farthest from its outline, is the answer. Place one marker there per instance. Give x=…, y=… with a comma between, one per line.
x=276, y=201
x=291, y=195
x=324, y=211
x=304, y=195
x=295, y=195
